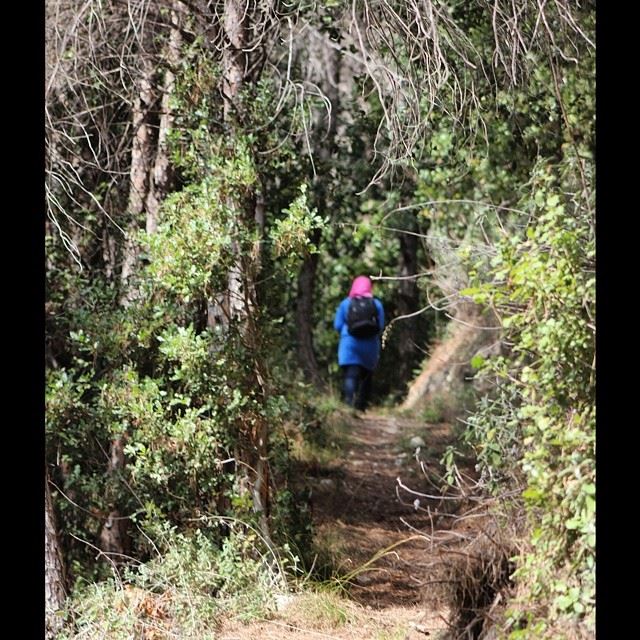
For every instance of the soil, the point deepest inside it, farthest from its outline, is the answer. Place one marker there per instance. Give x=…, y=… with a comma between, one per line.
x=359, y=510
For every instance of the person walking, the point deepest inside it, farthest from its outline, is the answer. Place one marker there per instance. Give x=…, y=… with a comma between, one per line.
x=360, y=320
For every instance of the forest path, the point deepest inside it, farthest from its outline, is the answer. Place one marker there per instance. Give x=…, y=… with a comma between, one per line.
x=357, y=514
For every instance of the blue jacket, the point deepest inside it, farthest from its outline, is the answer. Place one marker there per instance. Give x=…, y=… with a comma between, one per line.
x=351, y=350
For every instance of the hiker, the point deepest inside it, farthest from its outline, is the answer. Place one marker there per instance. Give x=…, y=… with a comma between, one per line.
x=360, y=321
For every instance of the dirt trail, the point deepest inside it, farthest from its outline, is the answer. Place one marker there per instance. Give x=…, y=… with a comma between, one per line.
x=357, y=512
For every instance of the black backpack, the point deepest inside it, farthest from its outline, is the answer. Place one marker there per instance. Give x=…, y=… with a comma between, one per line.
x=362, y=318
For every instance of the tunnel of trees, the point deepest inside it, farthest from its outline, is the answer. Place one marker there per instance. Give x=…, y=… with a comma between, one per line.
x=217, y=173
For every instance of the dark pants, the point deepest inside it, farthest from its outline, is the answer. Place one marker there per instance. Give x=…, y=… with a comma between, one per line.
x=356, y=386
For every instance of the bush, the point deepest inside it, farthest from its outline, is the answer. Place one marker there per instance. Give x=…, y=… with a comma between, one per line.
x=186, y=589
x=538, y=430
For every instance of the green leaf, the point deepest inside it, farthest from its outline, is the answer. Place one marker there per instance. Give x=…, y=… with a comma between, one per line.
x=552, y=201
x=572, y=524
x=532, y=493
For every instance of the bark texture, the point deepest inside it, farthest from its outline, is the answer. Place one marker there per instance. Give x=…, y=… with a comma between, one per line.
x=55, y=592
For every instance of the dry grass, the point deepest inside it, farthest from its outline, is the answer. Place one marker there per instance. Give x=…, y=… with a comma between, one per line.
x=326, y=614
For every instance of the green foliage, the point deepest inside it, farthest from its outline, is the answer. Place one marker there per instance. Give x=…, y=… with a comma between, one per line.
x=542, y=419
x=291, y=236
x=180, y=395
x=183, y=398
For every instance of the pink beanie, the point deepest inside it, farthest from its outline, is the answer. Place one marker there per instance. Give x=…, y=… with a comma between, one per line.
x=361, y=287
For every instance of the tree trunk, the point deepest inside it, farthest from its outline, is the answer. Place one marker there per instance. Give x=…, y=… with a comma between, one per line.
x=109, y=253
x=239, y=301
x=113, y=538
x=54, y=579
x=161, y=173
x=229, y=305
x=304, y=317
x=236, y=16
x=408, y=302
x=149, y=181
x=141, y=161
